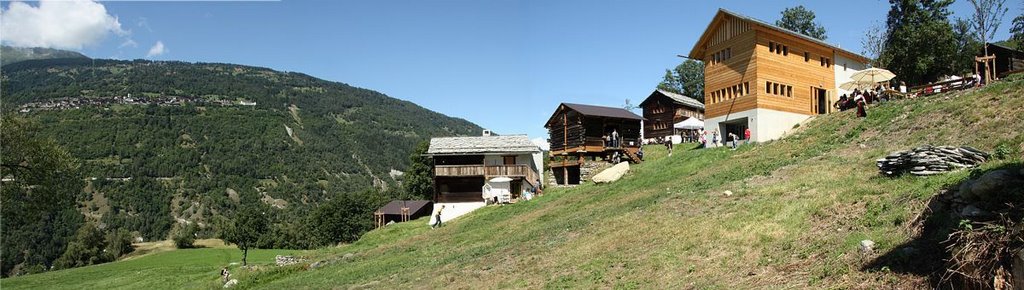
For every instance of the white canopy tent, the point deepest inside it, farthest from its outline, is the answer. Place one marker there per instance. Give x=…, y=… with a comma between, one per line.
x=690, y=124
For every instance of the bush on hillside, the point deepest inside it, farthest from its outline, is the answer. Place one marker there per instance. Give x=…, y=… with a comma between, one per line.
x=87, y=248
x=119, y=243
x=185, y=236
x=344, y=217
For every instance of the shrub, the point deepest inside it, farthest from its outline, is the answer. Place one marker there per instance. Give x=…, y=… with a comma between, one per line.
x=185, y=236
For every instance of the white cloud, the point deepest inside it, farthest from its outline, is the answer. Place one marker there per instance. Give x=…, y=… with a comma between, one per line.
x=157, y=49
x=128, y=43
x=57, y=24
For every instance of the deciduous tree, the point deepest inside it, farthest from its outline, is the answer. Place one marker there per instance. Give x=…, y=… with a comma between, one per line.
x=801, y=20
x=921, y=45
x=988, y=14
x=417, y=182
x=687, y=79
x=248, y=226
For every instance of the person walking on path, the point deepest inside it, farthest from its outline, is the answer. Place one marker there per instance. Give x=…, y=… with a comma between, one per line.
x=746, y=136
x=438, y=217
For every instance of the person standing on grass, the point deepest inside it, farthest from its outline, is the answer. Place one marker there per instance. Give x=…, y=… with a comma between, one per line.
x=735, y=139
x=668, y=145
x=714, y=138
x=438, y=216
x=861, y=111
x=746, y=136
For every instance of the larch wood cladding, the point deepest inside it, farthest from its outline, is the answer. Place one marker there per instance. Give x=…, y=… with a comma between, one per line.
x=754, y=62
x=728, y=28
x=739, y=68
x=792, y=70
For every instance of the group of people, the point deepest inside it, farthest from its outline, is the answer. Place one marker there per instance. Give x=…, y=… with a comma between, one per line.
x=859, y=99
x=712, y=138
x=613, y=139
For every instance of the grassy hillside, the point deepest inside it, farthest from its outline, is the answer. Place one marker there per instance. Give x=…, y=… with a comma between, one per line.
x=178, y=269
x=798, y=210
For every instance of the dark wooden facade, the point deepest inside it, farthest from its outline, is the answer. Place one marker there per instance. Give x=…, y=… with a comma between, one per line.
x=460, y=178
x=661, y=112
x=1007, y=60
x=580, y=131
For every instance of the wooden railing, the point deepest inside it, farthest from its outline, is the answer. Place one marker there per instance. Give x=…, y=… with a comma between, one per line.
x=487, y=171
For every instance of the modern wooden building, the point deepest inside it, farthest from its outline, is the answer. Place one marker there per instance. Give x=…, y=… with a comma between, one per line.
x=767, y=78
x=464, y=165
x=578, y=132
x=662, y=109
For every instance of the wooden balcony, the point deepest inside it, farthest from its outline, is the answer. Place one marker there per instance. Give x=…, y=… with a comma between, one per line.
x=488, y=171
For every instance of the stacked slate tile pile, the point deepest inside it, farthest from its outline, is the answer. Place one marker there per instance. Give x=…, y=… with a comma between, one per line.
x=931, y=160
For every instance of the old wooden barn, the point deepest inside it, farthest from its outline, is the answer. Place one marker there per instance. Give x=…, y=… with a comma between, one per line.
x=662, y=109
x=579, y=132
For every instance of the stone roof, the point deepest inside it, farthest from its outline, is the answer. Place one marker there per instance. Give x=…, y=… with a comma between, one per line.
x=482, y=144
x=678, y=99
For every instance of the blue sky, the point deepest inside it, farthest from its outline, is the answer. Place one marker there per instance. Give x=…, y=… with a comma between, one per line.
x=504, y=65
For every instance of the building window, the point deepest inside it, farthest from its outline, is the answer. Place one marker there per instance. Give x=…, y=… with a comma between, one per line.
x=746, y=88
x=807, y=56
x=822, y=60
x=771, y=46
x=767, y=87
x=785, y=50
x=775, y=88
x=789, y=91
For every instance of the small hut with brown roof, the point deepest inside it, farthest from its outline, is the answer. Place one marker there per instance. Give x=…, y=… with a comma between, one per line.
x=579, y=131
x=403, y=211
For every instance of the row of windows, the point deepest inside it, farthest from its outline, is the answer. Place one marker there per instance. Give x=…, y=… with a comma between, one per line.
x=779, y=48
x=729, y=92
x=660, y=126
x=721, y=55
x=778, y=89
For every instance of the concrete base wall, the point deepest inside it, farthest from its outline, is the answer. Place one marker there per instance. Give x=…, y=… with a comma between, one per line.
x=453, y=210
x=764, y=124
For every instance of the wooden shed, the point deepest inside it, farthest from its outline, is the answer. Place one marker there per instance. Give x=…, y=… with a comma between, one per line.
x=402, y=211
x=579, y=132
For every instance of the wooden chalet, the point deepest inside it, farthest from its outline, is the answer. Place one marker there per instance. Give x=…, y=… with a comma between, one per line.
x=1001, y=61
x=464, y=165
x=579, y=131
x=662, y=109
x=767, y=78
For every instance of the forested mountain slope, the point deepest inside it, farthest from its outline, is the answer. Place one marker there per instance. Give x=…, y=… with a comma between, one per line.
x=161, y=143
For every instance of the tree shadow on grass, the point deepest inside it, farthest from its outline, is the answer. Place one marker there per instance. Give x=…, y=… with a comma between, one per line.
x=925, y=255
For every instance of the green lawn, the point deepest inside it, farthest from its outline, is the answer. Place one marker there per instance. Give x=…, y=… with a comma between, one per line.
x=177, y=269
x=800, y=206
